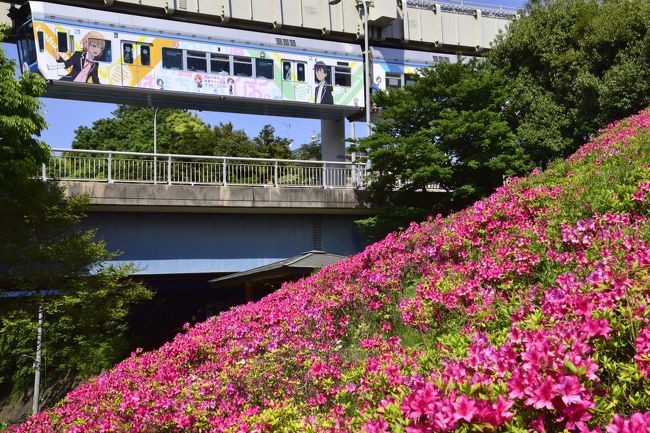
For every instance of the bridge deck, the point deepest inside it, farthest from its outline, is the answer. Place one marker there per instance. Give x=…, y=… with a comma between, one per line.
x=116, y=197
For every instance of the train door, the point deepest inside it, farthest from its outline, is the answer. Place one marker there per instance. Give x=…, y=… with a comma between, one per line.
x=294, y=81
x=136, y=63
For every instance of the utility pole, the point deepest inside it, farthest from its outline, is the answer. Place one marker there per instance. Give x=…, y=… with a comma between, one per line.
x=37, y=362
x=155, y=144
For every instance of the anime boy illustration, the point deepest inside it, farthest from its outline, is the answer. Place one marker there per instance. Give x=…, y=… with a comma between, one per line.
x=160, y=83
x=84, y=64
x=323, y=91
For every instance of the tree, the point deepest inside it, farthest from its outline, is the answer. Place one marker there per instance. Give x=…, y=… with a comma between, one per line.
x=270, y=146
x=309, y=151
x=447, y=131
x=45, y=259
x=131, y=129
x=574, y=65
x=227, y=141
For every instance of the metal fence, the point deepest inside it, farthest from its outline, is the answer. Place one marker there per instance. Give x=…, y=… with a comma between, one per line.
x=132, y=167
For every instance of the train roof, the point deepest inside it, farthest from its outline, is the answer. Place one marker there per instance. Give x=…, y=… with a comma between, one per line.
x=113, y=21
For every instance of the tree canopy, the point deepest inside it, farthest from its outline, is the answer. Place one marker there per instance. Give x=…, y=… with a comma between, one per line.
x=268, y=145
x=45, y=259
x=562, y=70
x=573, y=66
x=178, y=131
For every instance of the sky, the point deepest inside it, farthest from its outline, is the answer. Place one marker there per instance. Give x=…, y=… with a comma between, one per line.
x=65, y=116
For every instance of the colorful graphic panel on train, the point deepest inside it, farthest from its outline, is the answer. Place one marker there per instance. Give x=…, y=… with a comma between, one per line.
x=198, y=59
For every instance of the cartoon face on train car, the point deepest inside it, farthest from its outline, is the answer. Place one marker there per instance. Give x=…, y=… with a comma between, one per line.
x=109, y=58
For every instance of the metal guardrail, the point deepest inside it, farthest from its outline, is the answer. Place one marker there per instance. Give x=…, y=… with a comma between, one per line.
x=133, y=167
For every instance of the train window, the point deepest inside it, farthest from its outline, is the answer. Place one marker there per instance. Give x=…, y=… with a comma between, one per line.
x=41, y=41
x=300, y=70
x=26, y=43
x=62, y=42
x=127, y=53
x=243, y=66
x=172, y=58
x=197, y=61
x=264, y=68
x=409, y=79
x=220, y=64
x=145, y=55
x=286, y=71
x=343, y=76
x=393, y=81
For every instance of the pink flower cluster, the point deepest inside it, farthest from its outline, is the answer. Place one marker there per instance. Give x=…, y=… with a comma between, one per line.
x=514, y=313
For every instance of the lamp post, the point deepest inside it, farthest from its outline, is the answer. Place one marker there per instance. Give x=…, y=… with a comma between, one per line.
x=366, y=64
x=155, y=144
x=37, y=362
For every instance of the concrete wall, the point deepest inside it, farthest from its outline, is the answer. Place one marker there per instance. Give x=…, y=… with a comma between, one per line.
x=123, y=197
x=182, y=243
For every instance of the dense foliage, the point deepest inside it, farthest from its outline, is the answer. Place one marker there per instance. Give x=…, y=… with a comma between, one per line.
x=45, y=260
x=526, y=311
x=560, y=71
x=178, y=131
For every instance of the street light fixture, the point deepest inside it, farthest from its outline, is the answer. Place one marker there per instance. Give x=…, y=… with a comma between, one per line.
x=366, y=67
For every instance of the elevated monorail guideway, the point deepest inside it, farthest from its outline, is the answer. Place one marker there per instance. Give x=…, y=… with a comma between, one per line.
x=105, y=56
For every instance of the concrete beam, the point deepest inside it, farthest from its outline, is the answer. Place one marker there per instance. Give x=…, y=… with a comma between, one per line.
x=438, y=27
x=115, y=197
x=4, y=19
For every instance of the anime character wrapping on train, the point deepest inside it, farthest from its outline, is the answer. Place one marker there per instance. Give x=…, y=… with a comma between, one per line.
x=84, y=63
x=323, y=90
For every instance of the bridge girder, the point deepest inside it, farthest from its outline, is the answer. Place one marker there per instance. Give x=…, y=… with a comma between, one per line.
x=423, y=25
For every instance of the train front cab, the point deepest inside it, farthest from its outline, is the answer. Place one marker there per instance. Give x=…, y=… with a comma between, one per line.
x=25, y=39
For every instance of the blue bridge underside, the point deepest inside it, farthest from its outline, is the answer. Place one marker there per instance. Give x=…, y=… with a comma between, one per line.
x=185, y=243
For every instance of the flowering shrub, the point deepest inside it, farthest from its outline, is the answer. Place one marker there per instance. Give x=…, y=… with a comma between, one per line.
x=526, y=312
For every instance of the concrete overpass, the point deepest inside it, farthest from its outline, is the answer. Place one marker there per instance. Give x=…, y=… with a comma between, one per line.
x=208, y=216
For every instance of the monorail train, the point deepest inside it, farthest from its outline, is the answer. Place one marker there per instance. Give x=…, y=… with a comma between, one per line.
x=114, y=57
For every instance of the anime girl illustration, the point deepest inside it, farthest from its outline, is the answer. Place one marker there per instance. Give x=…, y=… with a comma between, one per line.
x=160, y=83
x=323, y=90
x=199, y=82
x=84, y=63
x=231, y=86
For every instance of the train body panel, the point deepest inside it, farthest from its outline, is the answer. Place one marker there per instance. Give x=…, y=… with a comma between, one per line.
x=393, y=68
x=114, y=57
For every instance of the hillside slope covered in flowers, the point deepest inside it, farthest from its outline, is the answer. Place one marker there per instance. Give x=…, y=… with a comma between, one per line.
x=527, y=311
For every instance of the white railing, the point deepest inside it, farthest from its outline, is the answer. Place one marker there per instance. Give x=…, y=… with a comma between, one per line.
x=132, y=167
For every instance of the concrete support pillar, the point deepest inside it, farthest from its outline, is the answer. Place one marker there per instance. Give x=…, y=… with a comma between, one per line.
x=332, y=133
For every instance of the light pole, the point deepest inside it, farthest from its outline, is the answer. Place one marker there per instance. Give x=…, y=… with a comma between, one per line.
x=37, y=362
x=366, y=63
x=155, y=144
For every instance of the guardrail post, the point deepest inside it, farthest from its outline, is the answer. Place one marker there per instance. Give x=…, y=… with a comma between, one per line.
x=110, y=167
x=276, y=181
x=324, y=174
x=225, y=171
x=169, y=170
x=43, y=171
